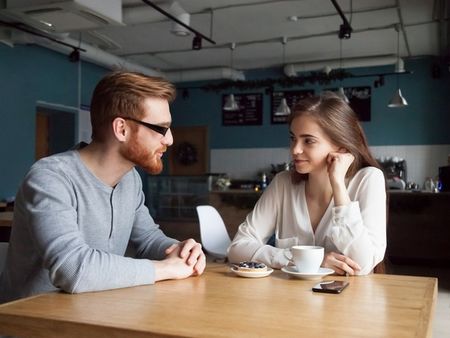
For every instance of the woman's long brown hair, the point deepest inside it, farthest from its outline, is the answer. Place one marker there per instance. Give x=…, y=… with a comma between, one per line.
x=340, y=123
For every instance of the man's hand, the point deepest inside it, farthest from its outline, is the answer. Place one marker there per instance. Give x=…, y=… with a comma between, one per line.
x=191, y=252
x=183, y=260
x=340, y=264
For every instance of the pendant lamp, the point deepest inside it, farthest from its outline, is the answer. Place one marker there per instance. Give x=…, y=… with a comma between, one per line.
x=283, y=108
x=340, y=92
x=398, y=101
x=230, y=101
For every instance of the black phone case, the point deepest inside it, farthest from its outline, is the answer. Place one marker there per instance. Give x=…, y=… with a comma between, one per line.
x=317, y=288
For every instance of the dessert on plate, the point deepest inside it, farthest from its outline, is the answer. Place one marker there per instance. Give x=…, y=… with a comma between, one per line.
x=248, y=266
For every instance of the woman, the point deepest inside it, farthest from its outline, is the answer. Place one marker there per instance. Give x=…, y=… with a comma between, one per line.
x=334, y=197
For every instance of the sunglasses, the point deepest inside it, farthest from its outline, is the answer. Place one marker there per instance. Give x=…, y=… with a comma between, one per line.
x=159, y=129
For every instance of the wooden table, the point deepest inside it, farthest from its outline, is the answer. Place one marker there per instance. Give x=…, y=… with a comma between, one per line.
x=219, y=304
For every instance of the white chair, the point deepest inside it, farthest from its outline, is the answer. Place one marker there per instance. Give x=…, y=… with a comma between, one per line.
x=3, y=252
x=213, y=233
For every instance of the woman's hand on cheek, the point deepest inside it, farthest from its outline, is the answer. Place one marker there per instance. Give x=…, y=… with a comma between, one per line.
x=338, y=164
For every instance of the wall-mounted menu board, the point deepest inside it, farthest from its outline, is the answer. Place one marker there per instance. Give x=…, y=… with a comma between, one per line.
x=249, y=113
x=360, y=100
x=292, y=97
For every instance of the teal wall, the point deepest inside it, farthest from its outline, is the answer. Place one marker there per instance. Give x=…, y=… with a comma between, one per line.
x=425, y=121
x=29, y=74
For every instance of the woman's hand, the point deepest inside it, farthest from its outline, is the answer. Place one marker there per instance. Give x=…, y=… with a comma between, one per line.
x=338, y=164
x=340, y=264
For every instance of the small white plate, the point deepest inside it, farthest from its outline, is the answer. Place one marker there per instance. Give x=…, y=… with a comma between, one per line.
x=252, y=274
x=292, y=270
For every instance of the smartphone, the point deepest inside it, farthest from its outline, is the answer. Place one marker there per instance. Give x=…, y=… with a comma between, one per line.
x=332, y=286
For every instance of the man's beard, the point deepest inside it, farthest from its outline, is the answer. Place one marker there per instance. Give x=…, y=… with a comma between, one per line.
x=142, y=157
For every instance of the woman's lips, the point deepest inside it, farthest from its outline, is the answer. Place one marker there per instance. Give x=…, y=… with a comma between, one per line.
x=300, y=161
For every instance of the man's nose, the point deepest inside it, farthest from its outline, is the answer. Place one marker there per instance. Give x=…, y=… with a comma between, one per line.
x=168, y=138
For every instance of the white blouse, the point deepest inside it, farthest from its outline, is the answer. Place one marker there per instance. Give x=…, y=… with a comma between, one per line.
x=356, y=230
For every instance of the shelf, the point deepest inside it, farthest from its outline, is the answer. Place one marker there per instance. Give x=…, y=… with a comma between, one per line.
x=176, y=197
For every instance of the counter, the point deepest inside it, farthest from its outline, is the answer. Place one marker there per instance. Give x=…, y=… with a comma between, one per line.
x=233, y=206
x=419, y=227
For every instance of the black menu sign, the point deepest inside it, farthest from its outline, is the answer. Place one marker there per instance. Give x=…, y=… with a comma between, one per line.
x=249, y=112
x=360, y=98
x=292, y=97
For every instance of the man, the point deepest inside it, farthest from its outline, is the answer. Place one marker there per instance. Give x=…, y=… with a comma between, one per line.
x=76, y=211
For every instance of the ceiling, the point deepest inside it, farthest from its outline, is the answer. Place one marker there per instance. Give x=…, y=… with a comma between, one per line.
x=309, y=27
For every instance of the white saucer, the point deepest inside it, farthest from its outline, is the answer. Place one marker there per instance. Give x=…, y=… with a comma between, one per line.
x=292, y=270
x=252, y=274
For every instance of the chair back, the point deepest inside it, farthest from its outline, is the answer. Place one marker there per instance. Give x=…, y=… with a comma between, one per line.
x=3, y=252
x=213, y=233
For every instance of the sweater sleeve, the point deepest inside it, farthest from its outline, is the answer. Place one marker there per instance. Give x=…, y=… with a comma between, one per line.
x=250, y=241
x=72, y=264
x=359, y=228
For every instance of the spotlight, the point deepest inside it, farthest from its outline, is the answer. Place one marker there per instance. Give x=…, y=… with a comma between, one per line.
x=74, y=56
x=345, y=31
x=197, y=42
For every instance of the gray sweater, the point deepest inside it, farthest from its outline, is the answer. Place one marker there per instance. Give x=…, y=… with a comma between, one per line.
x=71, y=230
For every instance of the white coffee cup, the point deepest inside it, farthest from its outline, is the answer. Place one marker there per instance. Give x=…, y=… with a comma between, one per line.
x=307, y=258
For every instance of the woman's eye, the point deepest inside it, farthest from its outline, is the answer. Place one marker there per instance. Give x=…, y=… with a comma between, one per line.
x=309, y=141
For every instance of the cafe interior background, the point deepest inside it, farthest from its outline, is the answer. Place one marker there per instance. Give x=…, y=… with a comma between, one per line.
x=261, y=52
